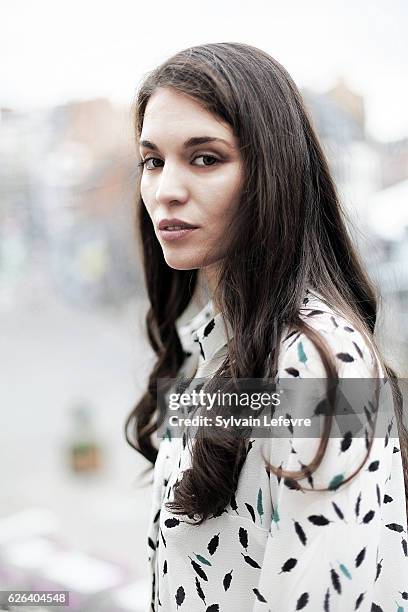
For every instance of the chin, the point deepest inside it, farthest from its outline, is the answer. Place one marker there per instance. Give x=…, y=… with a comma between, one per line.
x=177, y=262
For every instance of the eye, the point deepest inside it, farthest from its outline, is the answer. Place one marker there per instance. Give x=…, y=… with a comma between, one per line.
x=208, y=157
x=214, y=161
x=145, y=161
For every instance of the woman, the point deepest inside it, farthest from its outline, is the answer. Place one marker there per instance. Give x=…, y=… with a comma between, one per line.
x=228, y=153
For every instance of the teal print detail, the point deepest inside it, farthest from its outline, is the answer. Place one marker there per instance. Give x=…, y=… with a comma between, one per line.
x=259, y=505
x=336, y=481
x=202, y=559
x=301, y=353
x=345, y=570
x=275, y=517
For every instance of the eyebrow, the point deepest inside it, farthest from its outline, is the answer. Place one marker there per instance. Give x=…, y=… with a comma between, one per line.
x=191, y=142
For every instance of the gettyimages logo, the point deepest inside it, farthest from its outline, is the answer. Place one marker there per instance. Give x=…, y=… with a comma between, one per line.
x=296, y=408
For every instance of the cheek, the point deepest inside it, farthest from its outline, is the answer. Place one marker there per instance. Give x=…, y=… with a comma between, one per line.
x=145, y=195
x=226, y=203
x=223, y=190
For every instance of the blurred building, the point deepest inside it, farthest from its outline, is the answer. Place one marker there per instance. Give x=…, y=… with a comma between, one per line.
x=68, y=196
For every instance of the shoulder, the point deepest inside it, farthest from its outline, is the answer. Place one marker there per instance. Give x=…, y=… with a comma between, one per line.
x=355, y=358
x=352, y=351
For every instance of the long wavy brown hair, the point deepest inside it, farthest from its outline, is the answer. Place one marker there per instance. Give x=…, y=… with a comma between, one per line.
x=298, y=239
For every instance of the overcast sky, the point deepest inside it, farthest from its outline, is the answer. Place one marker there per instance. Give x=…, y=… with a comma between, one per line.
x=57, y=50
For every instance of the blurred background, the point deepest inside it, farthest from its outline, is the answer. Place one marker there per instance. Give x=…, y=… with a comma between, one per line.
x=74, y=356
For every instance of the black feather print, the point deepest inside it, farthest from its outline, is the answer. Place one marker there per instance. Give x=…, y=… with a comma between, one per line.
x=151, y=543
x=326, y=603
x=200, y=590
x=379, y=568
x=172, y=522
x=198, y=569
x=227, y=580
x=288, y=565
x=345, y=357
x=366, y=440
x=396, y=450
x=291, y=484
x=404, y=595
x=368, y=416
x=302, y=601
x=359, y=601
x=404, y=547
x=292, y=371
x=180, y=596
x=259, y=596
x=213, y=608
x=378, y=494
x=184, y=440
x=335, y=578
x=395, y=527
x=338, y=511
x=208, y=328
x=358, y=349
x=376, y=608
x=300, y=532
x=250, y=561
x=250, y=445
x=333, y=320
x=348, y=328
x=387, y=499
x=251, y=511
x=156, y=516
x=307, y=472
x=213, y=543
x=312, y=313
x=162, y=537
x=319, y=519
x=368, y=517
x=373, y=467
x=243, y=537
x=201, y=349
x=360, y=557
x=165, y=567
x=346, y=441
x=357, y=506
x=322, y=408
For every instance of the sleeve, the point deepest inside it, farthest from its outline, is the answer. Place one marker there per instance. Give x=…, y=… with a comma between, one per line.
x=322, y=546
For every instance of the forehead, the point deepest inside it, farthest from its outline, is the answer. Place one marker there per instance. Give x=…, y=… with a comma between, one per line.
x=175, y=114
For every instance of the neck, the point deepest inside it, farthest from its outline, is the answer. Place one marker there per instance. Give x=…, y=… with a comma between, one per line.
x=207, y=280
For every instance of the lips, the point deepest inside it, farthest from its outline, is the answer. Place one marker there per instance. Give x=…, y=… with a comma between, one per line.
x=175, y=224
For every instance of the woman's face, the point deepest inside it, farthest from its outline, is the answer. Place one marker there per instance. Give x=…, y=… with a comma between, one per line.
x=196, y=182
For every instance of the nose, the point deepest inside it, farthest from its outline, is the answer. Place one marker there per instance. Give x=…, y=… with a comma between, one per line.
x=171, y=187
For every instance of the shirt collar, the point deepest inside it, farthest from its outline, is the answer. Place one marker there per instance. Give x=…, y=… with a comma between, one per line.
x=211, y=335
x=208, y=330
